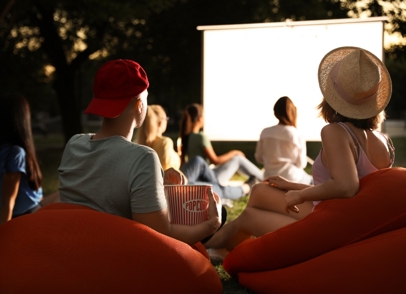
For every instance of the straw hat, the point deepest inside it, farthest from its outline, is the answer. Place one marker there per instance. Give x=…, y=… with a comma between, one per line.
x=354, y=82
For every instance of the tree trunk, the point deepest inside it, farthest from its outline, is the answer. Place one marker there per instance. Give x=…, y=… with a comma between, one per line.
x=64, y=82
x=70, y=111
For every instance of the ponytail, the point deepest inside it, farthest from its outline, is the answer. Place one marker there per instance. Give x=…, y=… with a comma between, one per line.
x=189, y=117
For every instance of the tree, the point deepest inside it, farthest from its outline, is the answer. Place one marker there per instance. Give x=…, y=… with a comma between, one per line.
x=73, y=38
x=65, y=34
x=395, y=57
x=176, y=44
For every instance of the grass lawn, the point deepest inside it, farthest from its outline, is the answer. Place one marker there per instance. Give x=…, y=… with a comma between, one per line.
x=49, y=150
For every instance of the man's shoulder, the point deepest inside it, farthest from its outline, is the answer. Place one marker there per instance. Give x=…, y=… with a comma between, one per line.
x=79, y=137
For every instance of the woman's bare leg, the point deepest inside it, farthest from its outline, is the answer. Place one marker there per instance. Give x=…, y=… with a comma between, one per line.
x=266, y=197
x=251, y=222
x=265, y=212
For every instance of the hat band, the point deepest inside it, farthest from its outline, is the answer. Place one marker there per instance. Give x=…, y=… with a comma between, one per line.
x=358, y=98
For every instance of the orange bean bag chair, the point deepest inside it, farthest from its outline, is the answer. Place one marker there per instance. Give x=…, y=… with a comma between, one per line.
x=66, y=248
x=345, y=245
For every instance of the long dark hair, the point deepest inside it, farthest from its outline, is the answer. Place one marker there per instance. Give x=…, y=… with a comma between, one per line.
x=15, y=129
x=285, y=111
x=190, y=116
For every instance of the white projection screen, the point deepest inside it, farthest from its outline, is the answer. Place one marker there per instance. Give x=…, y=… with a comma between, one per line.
x=246, y=68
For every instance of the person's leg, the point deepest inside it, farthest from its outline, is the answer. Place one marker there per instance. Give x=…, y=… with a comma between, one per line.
x=251, y=222
x=226, y=171
x=216, y=187
x=265, y=212
x=250, y=169
x=266, y=197
x=197, y=169
x=232, y=192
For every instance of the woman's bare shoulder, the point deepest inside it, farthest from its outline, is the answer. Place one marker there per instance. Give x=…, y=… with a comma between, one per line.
x=332, y=129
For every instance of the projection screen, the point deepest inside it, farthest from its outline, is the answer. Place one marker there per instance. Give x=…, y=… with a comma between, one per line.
x=246, y=68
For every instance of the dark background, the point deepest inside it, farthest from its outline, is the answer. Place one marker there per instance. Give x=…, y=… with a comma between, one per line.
x=50, y=50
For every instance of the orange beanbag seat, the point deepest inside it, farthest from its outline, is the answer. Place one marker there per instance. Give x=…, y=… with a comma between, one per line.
x=66, y=248
x=379, y=207
x=375, y=265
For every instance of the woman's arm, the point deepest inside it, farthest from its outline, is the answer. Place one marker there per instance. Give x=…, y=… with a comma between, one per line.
x=11, y=184
x=159, y=221
x=209, y=152
x=283, y=184
x=338, y=157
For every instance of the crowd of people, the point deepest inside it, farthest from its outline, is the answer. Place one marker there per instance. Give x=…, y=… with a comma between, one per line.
x=108, y=172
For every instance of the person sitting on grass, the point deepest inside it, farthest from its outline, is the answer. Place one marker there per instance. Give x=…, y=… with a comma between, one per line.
x=196, y=170
x=356, y=88
x=281, y=148
x=150, y=134
x=21, y=177
x=109, y=173
x=193, y=142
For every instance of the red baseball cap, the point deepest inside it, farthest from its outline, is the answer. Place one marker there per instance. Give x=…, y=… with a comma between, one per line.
x=116, y=83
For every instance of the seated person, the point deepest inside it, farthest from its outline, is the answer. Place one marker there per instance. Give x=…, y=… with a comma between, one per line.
x=150, y=133
x=109, y=173
x=281, y=148
x=20, y=175
x=352, y=148
x=195, y=143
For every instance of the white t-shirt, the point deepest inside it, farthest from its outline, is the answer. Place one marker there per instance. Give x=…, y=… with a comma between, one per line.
x=282, y=151
x=111, y=175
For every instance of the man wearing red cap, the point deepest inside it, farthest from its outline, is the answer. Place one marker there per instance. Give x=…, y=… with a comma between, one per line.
x=109, y=173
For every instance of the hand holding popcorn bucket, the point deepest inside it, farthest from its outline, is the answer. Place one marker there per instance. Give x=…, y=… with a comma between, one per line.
x=188, y=204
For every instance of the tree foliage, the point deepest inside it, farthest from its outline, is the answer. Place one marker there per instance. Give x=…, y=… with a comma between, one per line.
x=395, y=57
x=51, y=49
x=65, y=35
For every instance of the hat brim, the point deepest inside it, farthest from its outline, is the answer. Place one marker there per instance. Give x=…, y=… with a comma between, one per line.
x=106, y=107
x=366, y=110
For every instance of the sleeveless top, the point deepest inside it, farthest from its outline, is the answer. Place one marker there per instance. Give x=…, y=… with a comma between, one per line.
x=364, y=165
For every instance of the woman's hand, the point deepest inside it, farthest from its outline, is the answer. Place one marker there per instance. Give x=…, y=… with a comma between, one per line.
x=293, y=198
x=214, y=210
x=279, y=182
x=174, y=177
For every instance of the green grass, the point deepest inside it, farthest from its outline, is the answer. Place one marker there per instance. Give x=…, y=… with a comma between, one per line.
x=49, y=150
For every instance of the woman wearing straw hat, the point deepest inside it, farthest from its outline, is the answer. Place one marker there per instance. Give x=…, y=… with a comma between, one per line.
x=356, y=87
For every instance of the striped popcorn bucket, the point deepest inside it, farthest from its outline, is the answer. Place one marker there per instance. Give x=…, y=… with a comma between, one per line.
x=187, y=204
